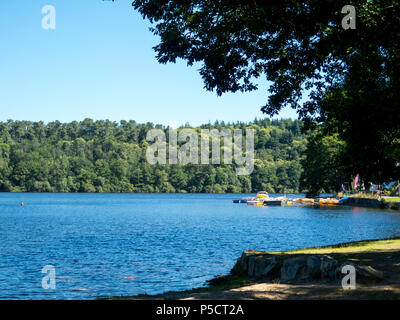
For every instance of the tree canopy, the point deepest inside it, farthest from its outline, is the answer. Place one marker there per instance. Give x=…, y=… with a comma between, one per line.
x=322, y=169
x=106, y=156
x=351, y=77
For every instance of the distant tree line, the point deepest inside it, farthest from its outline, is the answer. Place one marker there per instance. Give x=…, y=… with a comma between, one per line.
x=106, y=156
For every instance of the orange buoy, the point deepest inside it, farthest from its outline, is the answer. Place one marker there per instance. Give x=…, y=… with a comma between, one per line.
x=22, y=203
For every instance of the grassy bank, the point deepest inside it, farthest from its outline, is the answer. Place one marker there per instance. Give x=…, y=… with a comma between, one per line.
x=383, y=255
x=352, y=247
x=392, y=199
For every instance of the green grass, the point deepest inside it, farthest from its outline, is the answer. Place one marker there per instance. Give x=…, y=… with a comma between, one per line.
x=350, y=247
x=392, y=199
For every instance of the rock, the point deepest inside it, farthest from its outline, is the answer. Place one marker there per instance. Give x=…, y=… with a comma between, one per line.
x=250, y=265
x=238, y=269
x=313, y=267
x=292, y=267
x=272, y=268
x=255, y=264
x=241, y=266
x=309, y=268
x=259, y=265
x=328, y=267
x=265, y=266
x=243, y=259
x=363, y=273
x=367, y=272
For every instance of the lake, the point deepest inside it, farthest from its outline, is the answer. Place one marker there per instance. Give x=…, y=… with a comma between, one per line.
x=126, y=244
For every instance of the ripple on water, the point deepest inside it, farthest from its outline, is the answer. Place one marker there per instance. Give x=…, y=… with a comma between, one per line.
x=127, y=244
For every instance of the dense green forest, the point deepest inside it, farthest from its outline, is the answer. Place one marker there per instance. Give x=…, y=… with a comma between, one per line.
x=342, y=80
x=106, y=156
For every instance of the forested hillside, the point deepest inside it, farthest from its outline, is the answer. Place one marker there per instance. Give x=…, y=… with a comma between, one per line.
x=106, y=156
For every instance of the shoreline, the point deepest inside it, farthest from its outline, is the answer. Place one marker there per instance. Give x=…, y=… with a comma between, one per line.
x=377, y=264
x=384, y=203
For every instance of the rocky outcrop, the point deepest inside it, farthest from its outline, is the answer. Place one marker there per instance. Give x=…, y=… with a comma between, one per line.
x=363, y=273
x=328, y=267
x=312, y=267
x=257, y=265
x=301, y=267
x=293, y=268
x=266, y=266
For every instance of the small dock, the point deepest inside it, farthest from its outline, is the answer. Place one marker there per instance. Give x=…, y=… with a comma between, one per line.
x=272, y=202
x=261, y=202
x=240, y=201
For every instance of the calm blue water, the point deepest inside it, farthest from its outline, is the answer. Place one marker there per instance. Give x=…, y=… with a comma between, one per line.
x=126, y=244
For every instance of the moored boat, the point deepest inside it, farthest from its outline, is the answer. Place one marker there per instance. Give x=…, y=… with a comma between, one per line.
x=262, y=194
x=273, y=202
x=255, y=202
x=305, y=200
x=328, y=201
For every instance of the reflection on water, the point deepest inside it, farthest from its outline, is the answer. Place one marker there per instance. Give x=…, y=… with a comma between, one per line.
x=126, y=244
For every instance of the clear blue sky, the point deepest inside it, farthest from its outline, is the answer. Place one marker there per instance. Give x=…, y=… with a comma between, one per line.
x=99, y=63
